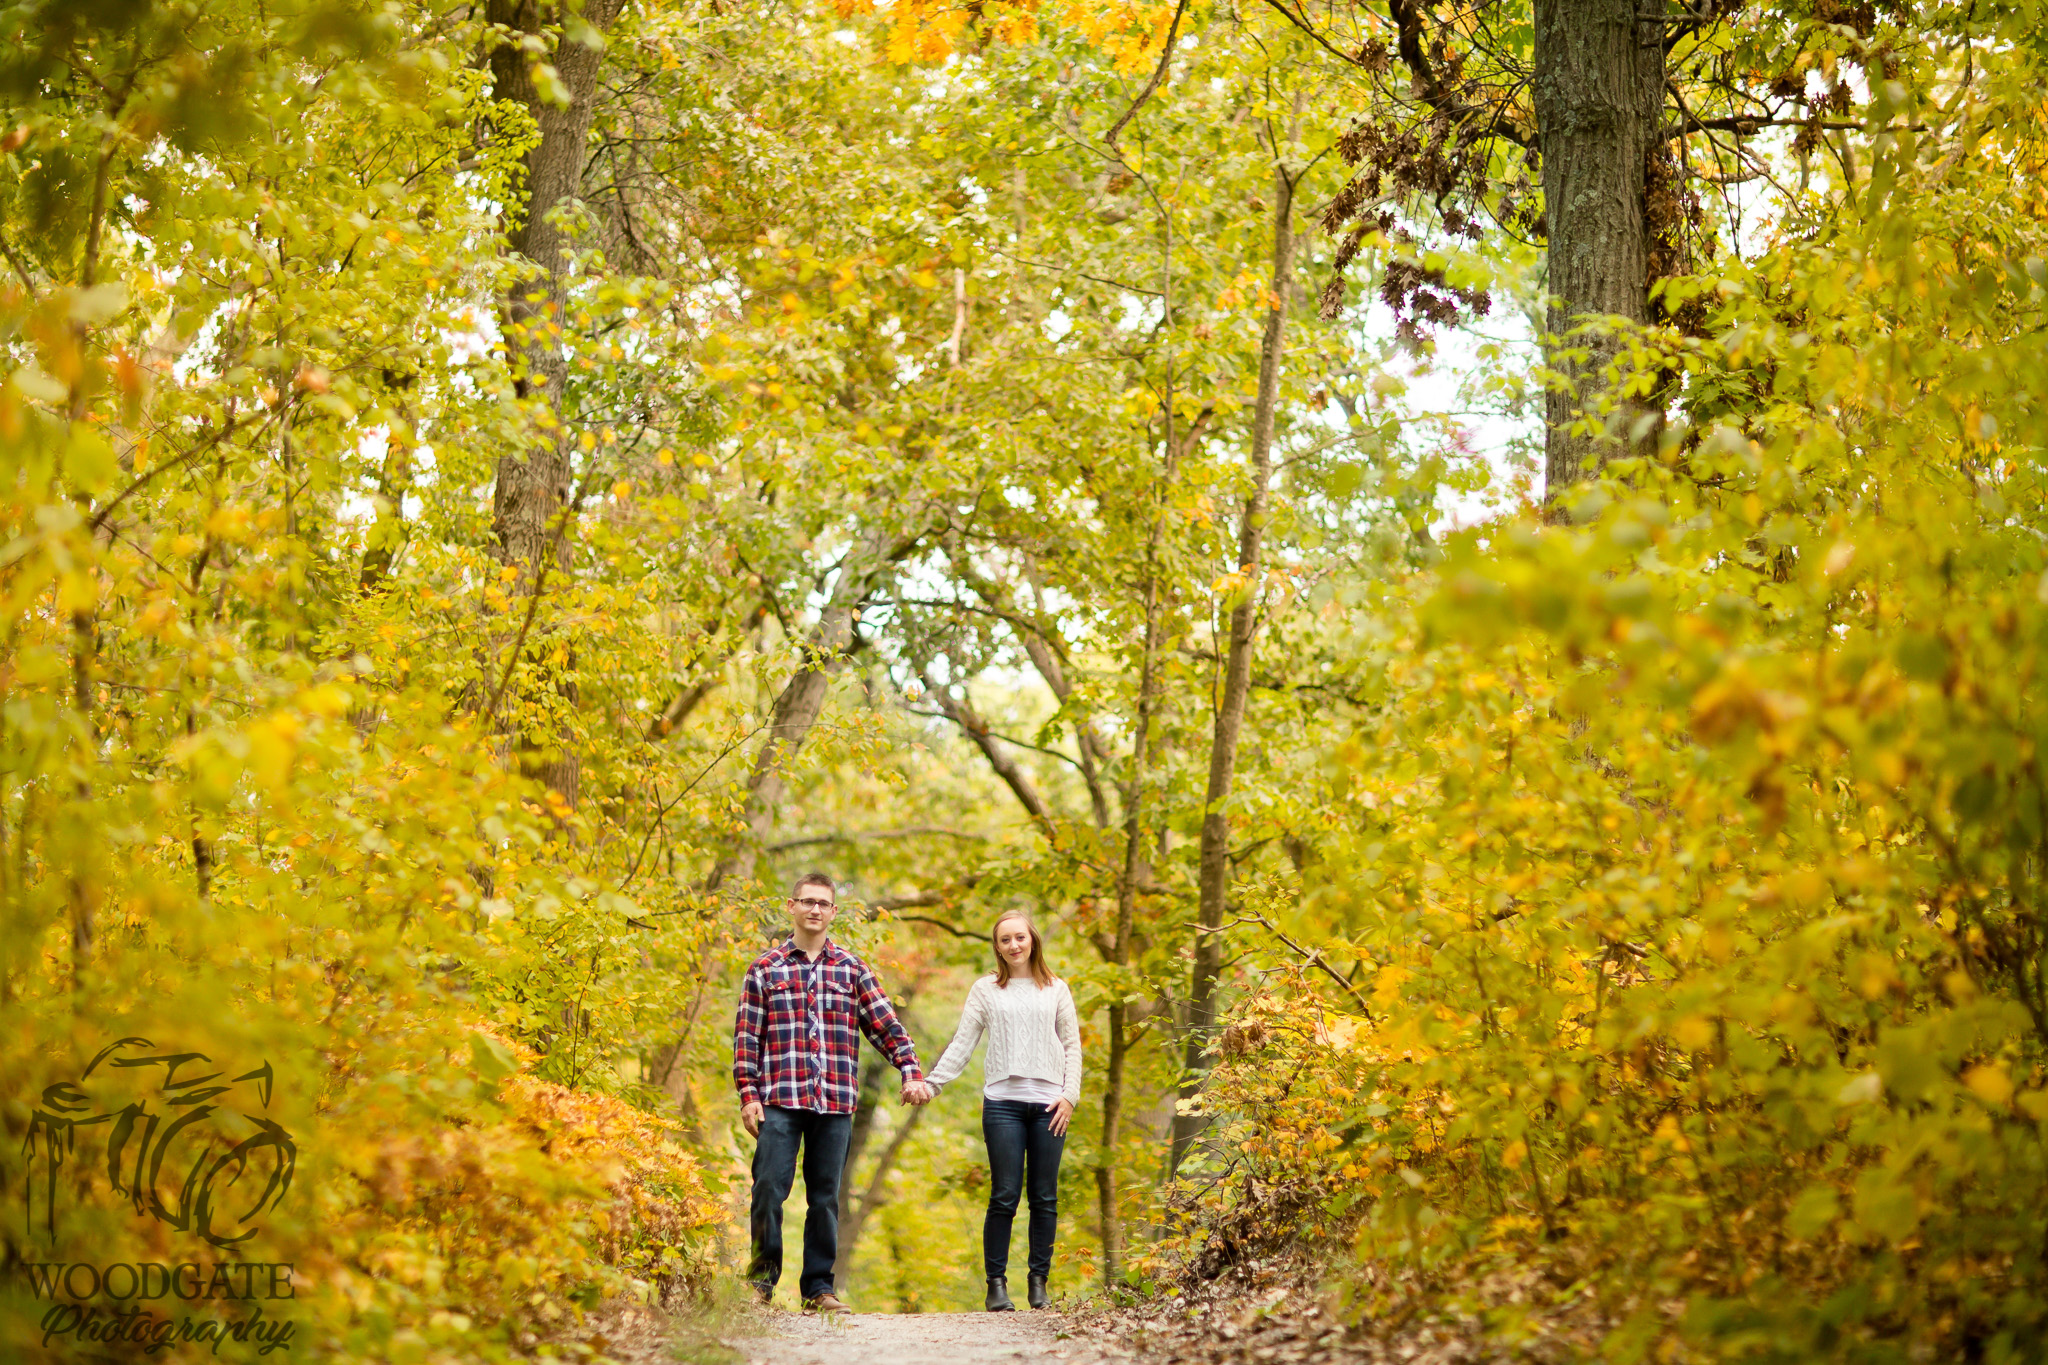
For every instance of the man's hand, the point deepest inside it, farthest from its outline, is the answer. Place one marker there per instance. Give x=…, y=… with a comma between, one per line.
x=916, y=1093
x=752, y=1115
x=1061, y=1112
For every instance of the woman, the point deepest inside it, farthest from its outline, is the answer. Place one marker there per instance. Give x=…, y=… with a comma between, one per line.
x=1031, y=1082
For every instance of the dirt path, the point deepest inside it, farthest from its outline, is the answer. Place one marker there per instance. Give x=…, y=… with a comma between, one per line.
x=926, y=1339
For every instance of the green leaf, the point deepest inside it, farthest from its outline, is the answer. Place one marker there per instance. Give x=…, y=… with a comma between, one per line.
x=1886, y=1205
x=491, y=1060
x=1816, y=1208
x=1923, y=655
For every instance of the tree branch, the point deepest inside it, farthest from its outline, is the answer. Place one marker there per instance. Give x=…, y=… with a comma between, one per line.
x=1429, y=83
x=1309, y=955
x=1158, y=75
x=856, y=836
x=952, y=929
x=1303, y=24
x=963, y=715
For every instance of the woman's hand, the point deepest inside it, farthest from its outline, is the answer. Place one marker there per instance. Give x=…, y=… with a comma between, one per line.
x=1061, y=1112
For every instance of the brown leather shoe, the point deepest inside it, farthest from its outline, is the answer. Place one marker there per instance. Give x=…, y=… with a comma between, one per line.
x=825, y=1303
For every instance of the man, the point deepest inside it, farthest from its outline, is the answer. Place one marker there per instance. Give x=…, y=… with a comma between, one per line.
x=794, y=1047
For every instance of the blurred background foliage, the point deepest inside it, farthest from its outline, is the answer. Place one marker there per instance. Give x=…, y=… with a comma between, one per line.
x=495, y=493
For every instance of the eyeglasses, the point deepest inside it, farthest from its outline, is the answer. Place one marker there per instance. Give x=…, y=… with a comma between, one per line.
x=811, y=902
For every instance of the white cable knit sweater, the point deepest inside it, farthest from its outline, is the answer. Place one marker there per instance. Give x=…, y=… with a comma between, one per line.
x=1032, y=1031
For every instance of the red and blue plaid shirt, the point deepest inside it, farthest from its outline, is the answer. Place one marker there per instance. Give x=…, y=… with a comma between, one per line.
x=793, y=1041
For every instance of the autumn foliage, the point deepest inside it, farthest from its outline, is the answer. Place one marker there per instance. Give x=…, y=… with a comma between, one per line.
x=1690, y=904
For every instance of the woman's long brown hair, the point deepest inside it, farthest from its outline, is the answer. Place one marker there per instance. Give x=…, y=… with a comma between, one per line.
x=1040, y=973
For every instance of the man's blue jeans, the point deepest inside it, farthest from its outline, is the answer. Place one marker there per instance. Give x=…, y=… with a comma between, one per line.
x=1019, y=1135
x=823, y=1138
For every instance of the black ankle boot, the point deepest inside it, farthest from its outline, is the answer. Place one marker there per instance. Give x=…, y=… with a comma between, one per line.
x=1034, y=1291
x=999, y=1295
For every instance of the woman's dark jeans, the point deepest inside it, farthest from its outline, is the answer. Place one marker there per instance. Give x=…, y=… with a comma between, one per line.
x=1019, y=1136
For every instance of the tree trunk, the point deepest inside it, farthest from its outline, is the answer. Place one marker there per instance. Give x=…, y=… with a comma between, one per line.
x=869, y=1099
x=872, y=1198
x=796, y=710
x=802, y=701
x=1599, y=90
x=530, y=501
x=1112, y=1129
x=82, y=883
x=1134, y=872
x=962, y=714
x=1213, y=862
x=387, y=533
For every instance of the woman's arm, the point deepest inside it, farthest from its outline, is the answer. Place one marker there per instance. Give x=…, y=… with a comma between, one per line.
x=1066, y=1023
x=973, y=1019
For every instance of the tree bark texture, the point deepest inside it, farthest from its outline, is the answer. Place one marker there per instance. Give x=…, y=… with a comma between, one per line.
x=1599, y=91
x=533, y=486
x=1213, y=860
x=531, y=496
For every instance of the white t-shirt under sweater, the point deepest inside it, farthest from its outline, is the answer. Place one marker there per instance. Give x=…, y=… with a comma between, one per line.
x=1023, y=1089
x=1034, y=1041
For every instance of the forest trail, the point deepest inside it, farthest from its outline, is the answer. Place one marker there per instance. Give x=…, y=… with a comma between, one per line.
x=928, y=1339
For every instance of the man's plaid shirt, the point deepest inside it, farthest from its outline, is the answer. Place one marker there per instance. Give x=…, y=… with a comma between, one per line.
x=793, y=1041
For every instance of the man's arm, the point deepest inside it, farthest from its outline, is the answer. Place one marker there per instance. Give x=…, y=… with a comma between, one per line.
x=749, y=1028
x=885, y=1030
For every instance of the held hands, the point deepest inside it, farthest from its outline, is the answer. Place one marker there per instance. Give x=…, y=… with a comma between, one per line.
x=1061, y=1112
x=917, y=1093
x=751, y=1115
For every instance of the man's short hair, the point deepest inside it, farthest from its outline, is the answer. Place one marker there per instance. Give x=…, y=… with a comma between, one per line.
x=814, y=879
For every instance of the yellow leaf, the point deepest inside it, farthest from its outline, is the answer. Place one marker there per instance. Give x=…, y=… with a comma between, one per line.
x=1989, y=1082
x=1879, y=975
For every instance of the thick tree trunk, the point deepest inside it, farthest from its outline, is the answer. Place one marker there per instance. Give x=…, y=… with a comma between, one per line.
x=1599, y=90
x=531, y=497
x=1213, y=861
